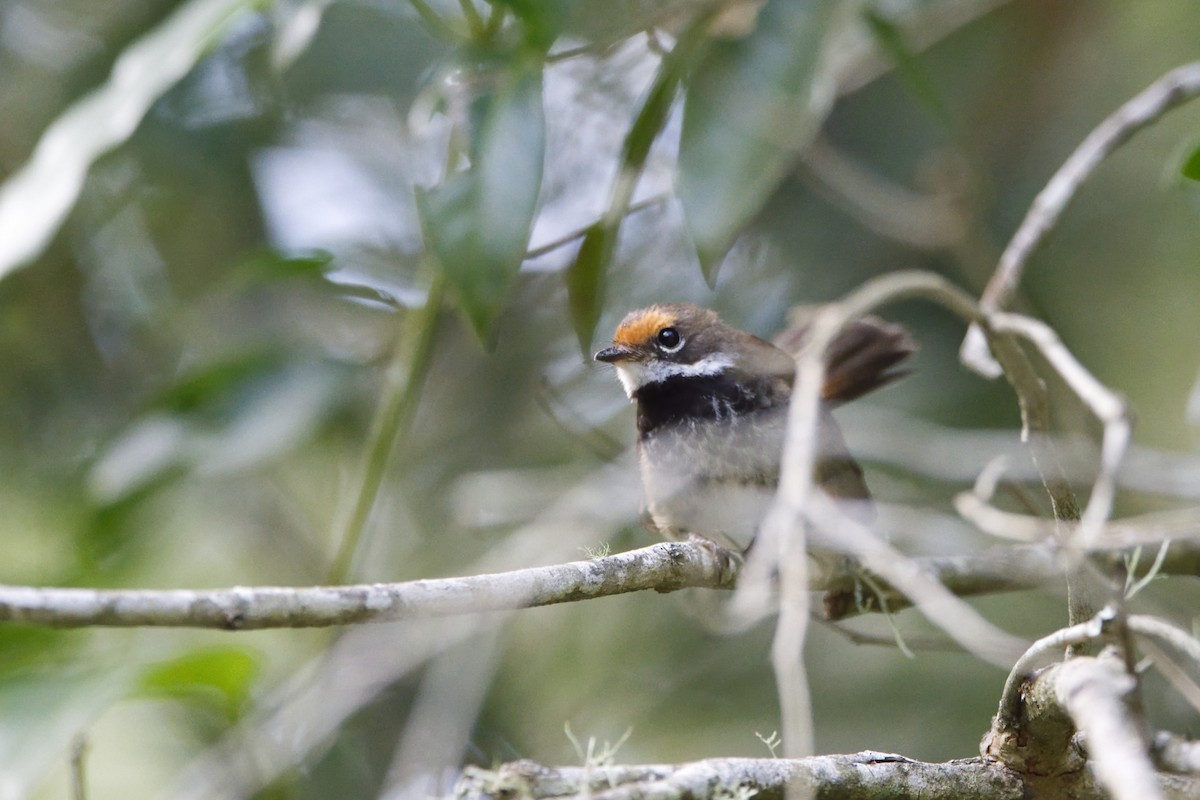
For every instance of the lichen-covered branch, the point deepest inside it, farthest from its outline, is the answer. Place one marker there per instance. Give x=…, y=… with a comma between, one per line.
x=1002, y=569
x=867, y=774
x=663, y=567
x=859, y=775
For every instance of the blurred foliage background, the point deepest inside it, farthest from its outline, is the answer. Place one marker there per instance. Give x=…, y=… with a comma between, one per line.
x=317, y=315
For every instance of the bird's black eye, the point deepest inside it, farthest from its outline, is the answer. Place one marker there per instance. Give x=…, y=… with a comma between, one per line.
x=669, y=340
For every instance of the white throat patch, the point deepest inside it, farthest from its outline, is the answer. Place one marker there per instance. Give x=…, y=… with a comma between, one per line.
x=634, y=375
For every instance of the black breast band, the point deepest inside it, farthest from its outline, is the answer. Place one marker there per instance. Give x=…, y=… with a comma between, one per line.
x=686, y=399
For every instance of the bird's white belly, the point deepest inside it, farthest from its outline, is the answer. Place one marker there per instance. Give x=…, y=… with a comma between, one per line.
x=716, y=479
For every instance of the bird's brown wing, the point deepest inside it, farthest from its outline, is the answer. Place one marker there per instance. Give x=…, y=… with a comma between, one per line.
x=836, y=471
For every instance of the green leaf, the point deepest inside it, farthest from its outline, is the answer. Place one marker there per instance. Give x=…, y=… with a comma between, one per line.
x=36, y=198
x=1191, y=167
x=42, y=709
x=217, y=677
x=477, y=222
x=542, y=21
x=269, y=265
x=912, y=73
x=585, y=281
x=223, y=417
x=751, y=105
x=585, y=278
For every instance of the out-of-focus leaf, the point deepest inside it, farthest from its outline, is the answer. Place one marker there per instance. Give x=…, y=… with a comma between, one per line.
x=226, y=417
x=477, y=222
x=912, y=73
x=585, y=277
x=541, y=20
x=585, y=281
x=216, y=677
x=269, y=265
x=36, y=199
x=1191, y=166
x=41, y=712
x=751, y=105
x=210, y=388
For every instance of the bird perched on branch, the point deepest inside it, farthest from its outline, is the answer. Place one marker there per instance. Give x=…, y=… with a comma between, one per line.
x=712, y=407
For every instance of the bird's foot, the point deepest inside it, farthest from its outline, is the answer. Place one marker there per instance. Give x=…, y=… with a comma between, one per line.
x=729, y=561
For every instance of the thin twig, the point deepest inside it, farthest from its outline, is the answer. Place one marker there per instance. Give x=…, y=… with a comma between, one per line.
x=1177, y=86
x=781, y=545
x=79, y=748
x=1176, y=754
x=958, y=619
x=1166, y=633
x=576, y=235
x=1154, y=528
x=1172, y=89
x=1109, y=409
x=1175, y=675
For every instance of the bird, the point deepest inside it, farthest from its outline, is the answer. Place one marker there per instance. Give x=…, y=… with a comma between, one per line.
x=712, y=404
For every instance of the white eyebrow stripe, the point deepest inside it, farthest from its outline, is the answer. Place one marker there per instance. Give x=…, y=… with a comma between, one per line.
x=714, y=364
x=634, y=376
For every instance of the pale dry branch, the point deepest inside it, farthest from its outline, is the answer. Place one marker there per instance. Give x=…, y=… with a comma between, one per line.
x=1097, y=693
x=1077, y=718
x=1174, y=674
x=1172, y=89
x=1109, y=409
x=662, y=567
x=1167, y=633
x=859, y=775
x=997, y=570
x=299, y=717
x=1175, y=87
x=1173, y=753
x=920, y=447
x=993, y=571
x=1153, y=528
x=781, y=545
x=960, y=621
x=1008, y=714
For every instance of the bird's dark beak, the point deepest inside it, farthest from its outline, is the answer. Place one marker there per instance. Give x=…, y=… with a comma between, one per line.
x=615, y=354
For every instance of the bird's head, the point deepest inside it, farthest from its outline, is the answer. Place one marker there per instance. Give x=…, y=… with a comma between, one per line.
x=673, y=340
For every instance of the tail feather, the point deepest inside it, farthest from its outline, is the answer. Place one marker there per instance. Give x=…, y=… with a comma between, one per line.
x=863, y=357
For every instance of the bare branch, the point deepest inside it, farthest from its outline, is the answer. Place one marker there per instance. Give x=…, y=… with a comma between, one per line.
x=1166, y=633
x=1008, y=715
x=1105, y=404
x=781, y=546
x=996, y=570
x=1097, y=693
x=663, y=567
x=866, y=774
x=1175, y=754
x=1172, y=89
x=862, y=774
x=962, y=622
x=1177, y=86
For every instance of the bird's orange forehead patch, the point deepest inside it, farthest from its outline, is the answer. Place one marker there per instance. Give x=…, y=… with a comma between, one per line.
x=641, y=326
